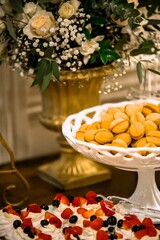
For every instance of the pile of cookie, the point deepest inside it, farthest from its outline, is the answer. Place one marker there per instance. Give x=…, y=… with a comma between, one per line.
x=133, y=125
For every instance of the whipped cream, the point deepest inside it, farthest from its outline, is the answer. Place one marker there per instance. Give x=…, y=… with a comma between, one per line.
x=10, y=232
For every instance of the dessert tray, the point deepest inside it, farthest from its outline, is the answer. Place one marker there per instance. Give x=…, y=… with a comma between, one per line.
x=146, y=194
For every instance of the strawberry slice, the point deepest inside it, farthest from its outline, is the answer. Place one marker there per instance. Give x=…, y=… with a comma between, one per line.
x=35, y=208
x=9, y=209
x=66, y=213
x=88, y=213
x=79, y=201
x=147, y=222
x=27, y=222
x=151, y=231
x=96, y=224
x=126, y=224
x=58, y=196
x=24, y=214
x=107, y=207
x=86, y=223
x=55, y=221
x=76, y=230
x=91, y=194
x=141, y=233
x=65, y=200
x=81, y=210
x=101, y=234
x=91, y=200
x=99, y=212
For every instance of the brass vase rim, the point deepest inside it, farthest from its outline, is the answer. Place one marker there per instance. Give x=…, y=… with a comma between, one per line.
x=88, y=72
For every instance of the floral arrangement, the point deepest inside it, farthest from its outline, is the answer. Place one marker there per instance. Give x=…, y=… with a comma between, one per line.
x=43, y=37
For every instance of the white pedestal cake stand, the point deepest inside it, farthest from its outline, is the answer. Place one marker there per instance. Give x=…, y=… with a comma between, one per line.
x=146, y=194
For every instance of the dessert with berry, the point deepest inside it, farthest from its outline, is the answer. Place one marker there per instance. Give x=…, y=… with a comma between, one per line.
x=89, y=217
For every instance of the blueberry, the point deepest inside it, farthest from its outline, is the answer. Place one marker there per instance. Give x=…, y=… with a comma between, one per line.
x=98, y=198
x=56, y=203
x=4, y=210
x=64, y=229
x=136, y=228
x=111, y=229
x=70, y=198
x=76, y=236
x=31, y=235
x=113, y=236
x=120, y=223
x=18, y=210
x=27, y=229
x=44, y=206
x=73, y=219
x=93, y=217
x=17, y=223
x=105, y=223
x=112, y=220
x=44, y=222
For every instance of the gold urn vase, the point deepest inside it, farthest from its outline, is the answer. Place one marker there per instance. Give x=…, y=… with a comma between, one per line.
x=74, y=92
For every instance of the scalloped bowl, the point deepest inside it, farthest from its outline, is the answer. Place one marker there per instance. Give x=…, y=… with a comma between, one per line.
x=126, y=158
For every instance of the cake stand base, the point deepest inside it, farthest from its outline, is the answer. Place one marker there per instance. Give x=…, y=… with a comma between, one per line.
x=73, y=172
x=146, y=193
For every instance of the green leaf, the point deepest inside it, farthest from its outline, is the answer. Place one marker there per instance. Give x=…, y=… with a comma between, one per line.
x=55, y=70
x=47, y=77
x=93, y=58
x=87, y=34
x=139, y=72
x=144, y=48
x=41, y=71
x=10, y=27
x=97, y=20
x=17, y=5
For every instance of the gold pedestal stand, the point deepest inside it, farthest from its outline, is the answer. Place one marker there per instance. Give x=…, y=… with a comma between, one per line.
x=74, y=92
x=72, y=170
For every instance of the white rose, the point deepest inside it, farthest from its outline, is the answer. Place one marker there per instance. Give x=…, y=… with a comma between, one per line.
x=68, y=9
x=87, y=48
x=39, y=25
x=30, y=8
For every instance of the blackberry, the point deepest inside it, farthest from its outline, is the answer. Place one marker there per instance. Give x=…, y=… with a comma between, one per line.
x=56, y=203
x=17, y=223
x=73, y=219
